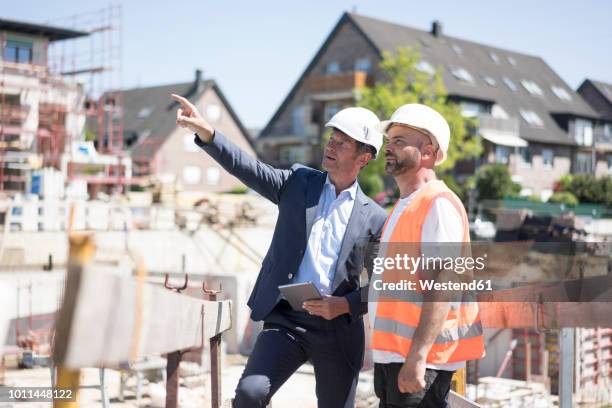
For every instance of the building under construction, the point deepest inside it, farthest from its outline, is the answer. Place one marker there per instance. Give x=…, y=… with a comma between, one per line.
x=48, y=92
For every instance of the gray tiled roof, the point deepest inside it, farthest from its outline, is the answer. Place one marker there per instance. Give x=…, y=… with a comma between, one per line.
x=604, y=88
x=477, y=60
x=153, y=128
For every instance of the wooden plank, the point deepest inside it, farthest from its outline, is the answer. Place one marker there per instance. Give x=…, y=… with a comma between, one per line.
x=457, y=401
x=97, y=324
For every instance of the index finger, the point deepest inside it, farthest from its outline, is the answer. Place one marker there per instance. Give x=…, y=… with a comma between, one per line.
x=182, y=101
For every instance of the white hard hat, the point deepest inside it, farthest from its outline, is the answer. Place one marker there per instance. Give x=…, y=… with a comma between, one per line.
x=423, y=118
x=360, y=124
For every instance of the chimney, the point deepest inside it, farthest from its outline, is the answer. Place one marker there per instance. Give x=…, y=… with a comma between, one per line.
x=198, y=80
x=436, y=28
x=197, y=86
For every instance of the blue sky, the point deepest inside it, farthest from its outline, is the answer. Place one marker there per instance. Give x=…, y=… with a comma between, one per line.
x=256, y=50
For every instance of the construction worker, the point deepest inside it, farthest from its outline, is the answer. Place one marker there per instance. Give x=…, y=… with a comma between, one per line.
x=324, y=225
x=419, y=342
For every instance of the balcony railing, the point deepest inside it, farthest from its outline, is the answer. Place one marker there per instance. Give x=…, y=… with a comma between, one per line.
x=340, y=82
x=498, y=125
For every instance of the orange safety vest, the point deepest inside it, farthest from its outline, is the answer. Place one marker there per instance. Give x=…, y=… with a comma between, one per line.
x=461, y=338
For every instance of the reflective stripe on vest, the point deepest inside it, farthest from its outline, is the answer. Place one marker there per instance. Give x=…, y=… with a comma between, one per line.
x=461, y=337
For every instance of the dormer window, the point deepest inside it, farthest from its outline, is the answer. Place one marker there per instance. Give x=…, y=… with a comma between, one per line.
x=426, y=67
x=531, y=117
x=509, y=83
x=145, y=112
x=532, y=87
x=457, y=49
x=462, y=74
x=561, y=93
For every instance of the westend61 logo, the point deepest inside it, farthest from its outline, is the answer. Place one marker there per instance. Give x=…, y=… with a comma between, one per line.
x=411, y=264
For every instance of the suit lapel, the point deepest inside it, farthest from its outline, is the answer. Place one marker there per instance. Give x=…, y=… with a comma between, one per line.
x=313, y=194
x=350, y=236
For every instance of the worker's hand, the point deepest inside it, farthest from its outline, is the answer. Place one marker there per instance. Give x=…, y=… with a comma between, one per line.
x=411, y=377
x=187, y=116
x=328, y=308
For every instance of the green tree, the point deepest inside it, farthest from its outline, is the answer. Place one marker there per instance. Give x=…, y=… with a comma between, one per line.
x=401, y=83
x=493, y=182
x=587, y=188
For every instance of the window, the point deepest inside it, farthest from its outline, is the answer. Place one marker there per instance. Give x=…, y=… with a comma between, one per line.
x=213, y=112
x=188, y=143
x=607, y=130
x=531, y=117
x=192, y=174
x=583, y=163
x=332, y=68
x=144, y=134
x=293, y=154
x=509, y=83
x=457, y=49
x=424, y=41
x=610, y=164
x=583, y=132
x=145, y=112
x=471, y=109
x=502, y=154
x=498, y=112
x=548, y=158
x=298, y=120
x=363, y=65
x=512, y=61
x=494, y=57
x=426, y=67
x=462, y=74
x=561, y=93
x=526, y=156
x=532, y=87
x=213, y=175
x=330, y=110
x=489, y=80
x=18, y=51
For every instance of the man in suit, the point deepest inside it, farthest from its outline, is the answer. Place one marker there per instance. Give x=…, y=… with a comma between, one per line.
x=324, y=228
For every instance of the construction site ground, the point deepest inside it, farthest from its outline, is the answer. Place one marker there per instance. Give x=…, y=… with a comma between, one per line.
x=297, y=392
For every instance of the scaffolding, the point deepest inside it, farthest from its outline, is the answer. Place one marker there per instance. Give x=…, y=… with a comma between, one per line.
x=68, y=92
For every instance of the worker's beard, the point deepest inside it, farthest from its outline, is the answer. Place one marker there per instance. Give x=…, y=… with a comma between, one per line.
x=397, y=167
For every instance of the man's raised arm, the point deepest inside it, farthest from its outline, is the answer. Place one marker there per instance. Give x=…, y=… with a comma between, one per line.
x=261, y=177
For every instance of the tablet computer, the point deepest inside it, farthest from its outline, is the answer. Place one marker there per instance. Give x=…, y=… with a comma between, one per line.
x=298, y=293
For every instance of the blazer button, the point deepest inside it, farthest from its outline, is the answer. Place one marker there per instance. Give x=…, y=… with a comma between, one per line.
x=290, y=276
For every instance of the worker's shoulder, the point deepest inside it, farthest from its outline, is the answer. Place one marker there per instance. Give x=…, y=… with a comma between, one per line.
x=300, y=170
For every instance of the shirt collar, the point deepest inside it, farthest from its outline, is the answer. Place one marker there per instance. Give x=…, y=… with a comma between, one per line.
x=351, y=190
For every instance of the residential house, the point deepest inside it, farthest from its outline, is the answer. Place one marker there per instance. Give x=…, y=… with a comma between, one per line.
x=160, y=148
x=599, y=95
x=529, y=118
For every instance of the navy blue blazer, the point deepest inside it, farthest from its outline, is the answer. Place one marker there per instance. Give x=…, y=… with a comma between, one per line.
x=296, y=192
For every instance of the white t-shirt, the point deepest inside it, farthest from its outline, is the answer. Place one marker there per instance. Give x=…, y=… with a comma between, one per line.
x=442, y=224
